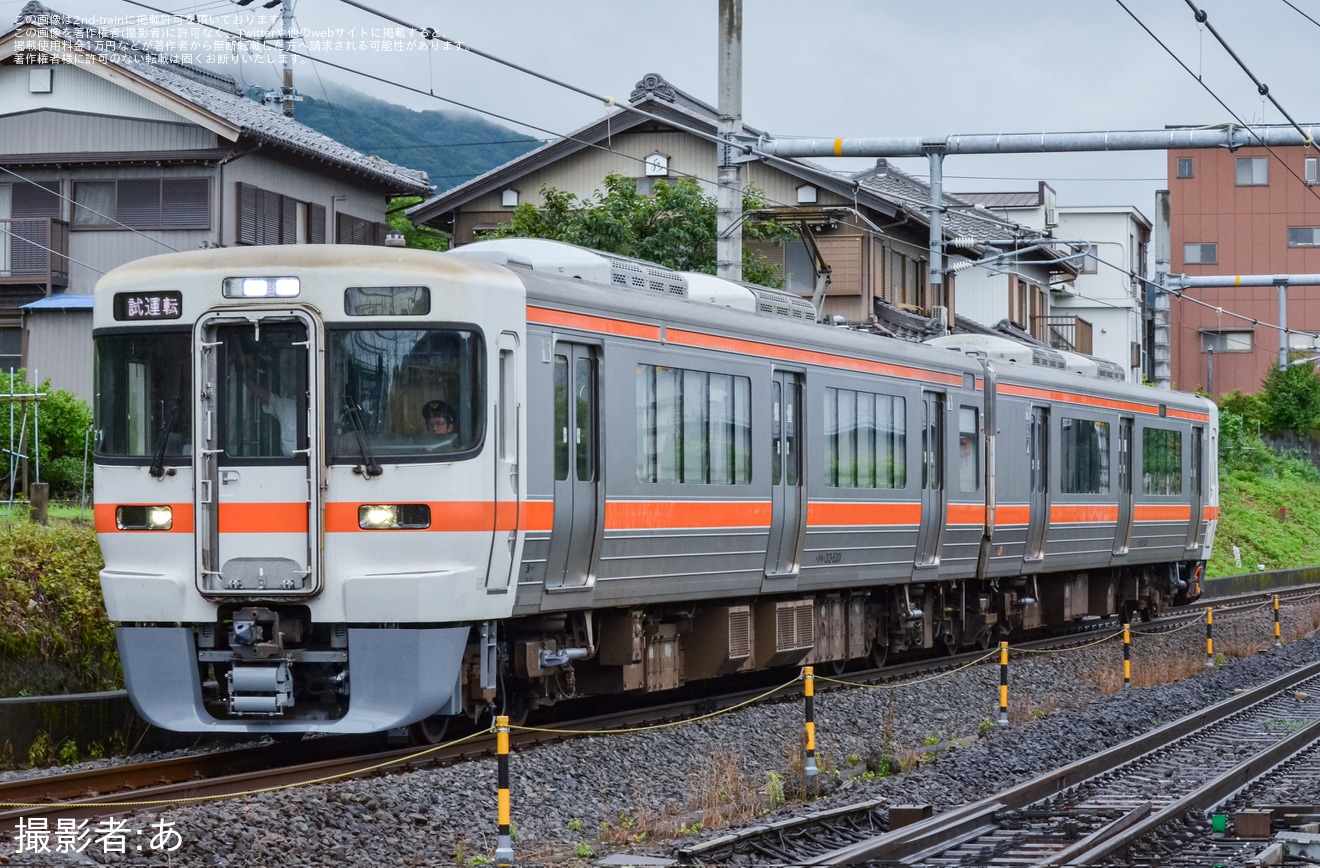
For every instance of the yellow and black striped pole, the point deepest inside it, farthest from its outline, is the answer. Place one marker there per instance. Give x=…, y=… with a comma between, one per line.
x=1209, y=636
x=1003, y=684
x=1278, y=642
x=504, y=845
x=1127, y=656
x=809, y=695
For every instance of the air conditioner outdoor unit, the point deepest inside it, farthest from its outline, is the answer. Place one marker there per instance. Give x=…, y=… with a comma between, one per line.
x=940, y=314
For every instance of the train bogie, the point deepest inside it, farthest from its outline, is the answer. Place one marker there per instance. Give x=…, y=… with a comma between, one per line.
x=353, y=489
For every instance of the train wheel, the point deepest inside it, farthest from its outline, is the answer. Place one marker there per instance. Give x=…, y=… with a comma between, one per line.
x=987, y=640
x=836, y=667
x=430, y=730
x=879, y=654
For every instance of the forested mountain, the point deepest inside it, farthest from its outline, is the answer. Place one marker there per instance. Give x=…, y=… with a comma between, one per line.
x=449, y=146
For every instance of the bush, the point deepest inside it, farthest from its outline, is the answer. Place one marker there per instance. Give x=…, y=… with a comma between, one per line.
x=51, y=610
x=65, y=477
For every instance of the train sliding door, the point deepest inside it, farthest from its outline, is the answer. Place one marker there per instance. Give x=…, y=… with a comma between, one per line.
x=256, y=461
x=577, y=515
x=1038, y=454
x=933, y=498
x=784, y=546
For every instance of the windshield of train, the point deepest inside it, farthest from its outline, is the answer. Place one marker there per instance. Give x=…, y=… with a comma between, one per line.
x=405, y=394
x=142, y=406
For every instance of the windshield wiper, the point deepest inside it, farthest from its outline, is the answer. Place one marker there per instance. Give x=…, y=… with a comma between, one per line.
x=158, y=458
x=368, y=468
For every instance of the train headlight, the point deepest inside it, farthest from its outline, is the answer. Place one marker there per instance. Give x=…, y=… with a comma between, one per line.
x=260, y=287
x=394, y=516
x=144, y=517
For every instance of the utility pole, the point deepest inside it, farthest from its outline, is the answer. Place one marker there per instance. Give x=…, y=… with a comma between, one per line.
x=285, y=94
x=728, y=199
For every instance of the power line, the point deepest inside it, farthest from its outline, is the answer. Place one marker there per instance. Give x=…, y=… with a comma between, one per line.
x=1263, y=89
x=1246, y=127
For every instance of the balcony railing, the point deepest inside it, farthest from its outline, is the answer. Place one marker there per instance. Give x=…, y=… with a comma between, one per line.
x=1063, y=332
x=34, y=251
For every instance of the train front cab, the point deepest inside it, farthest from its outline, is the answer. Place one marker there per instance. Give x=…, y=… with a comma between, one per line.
x=275, y=518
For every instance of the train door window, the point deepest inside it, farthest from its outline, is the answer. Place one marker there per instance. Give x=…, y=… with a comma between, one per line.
x=1194, y=469
x=969, y=457
x=1038, y=450
x=561, y=418
x=792, y=393
x=584, y=398
x=1125, y=456
x=932, y=413
x=265, y=415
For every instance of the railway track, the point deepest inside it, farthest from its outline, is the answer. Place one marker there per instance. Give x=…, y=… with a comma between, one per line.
x=98, y=792
x=1080, y=814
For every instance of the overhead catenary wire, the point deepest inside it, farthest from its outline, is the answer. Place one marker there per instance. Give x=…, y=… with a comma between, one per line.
x=1203, y=18
x=1246, y=127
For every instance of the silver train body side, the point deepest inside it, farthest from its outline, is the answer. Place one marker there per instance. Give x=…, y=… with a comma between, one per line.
x=655, y=479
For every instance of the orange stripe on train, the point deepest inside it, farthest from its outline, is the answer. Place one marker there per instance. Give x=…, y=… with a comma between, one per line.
x=1153, y=512
x=263, y=518
x=585, y=322
x=862, y=514
x=1083, y=513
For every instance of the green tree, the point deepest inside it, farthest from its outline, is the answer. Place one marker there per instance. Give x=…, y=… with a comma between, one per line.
x=59, y=429
x=674, y=227
x=1290, y=398
x=417, y=237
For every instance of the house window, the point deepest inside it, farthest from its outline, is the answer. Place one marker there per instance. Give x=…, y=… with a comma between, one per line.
x=1227, y=341
x=355, y=230
x=1184, y=167
x=266, y=217
x=1200, y=254
x=1312, y=169
x=143, y=203
x=11, y=349
x=1253, y=171
x=1306, y=236
x=1087, y=262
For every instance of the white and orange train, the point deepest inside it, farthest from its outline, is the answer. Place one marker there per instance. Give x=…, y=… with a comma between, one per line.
x=647, y=478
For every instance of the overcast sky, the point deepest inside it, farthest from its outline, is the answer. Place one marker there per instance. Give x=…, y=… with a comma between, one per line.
x=855, y=68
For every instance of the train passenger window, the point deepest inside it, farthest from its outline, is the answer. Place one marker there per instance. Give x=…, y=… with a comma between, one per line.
x=969, y=456
x=1084, y=452
x=1161, y=461
x=143, y=391
x=865, y=440
x=693, y=426
x=388, y=386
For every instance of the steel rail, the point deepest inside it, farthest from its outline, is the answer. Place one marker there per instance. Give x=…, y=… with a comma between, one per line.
x=906, y=842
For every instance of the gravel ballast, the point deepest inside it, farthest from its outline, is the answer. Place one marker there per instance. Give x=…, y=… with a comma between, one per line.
x=650, y=792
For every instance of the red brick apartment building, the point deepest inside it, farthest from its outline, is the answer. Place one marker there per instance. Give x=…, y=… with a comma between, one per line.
x=1252, y=211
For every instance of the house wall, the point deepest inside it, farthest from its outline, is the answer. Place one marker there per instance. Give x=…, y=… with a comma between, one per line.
x=59, y=347
x=76, y=90
x=1249, y=225
x=1109, y=298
